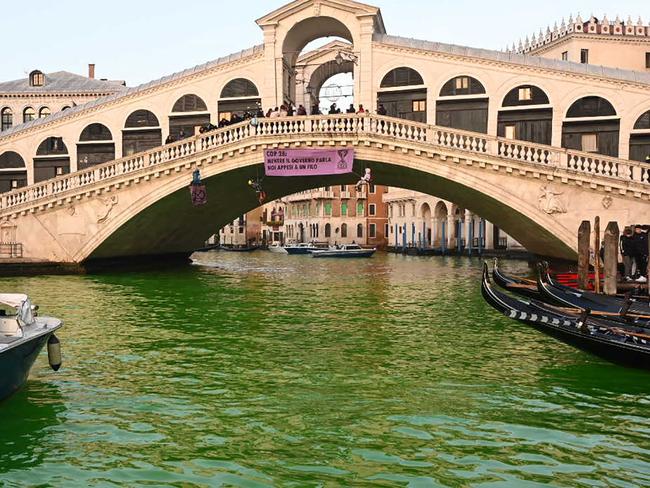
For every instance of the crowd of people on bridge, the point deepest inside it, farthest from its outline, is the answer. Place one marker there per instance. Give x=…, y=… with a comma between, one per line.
x=634, y=249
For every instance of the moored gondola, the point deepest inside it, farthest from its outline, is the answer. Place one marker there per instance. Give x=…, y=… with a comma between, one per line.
x=519, y=286
x=605, y=339
x=563, y=295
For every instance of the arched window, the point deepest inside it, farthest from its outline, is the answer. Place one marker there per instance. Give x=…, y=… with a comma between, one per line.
x=51, y=159
x=402, y=95
x=141, y=118
x=526, y=115
x=640, y=139
x=239, y=88
x=328, y=230
x=95, y=146
x=401, y=77
x=462, y=106
x=360, y=231
x=462, y=85
x=188, y=115
x=238, y=97
x=7, y=119
x=44, y=112
x=591, y=107
x=189, y=103
x=36, y=78
x=14, y=173
x=344, y=230
x=29, y=114
x=141, y=132
x=591, y=125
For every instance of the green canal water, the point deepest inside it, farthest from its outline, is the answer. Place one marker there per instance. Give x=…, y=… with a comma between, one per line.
x=270, y=370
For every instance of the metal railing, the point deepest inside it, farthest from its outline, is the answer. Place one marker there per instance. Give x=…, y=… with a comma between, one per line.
x=11, y=250
x=427, y=136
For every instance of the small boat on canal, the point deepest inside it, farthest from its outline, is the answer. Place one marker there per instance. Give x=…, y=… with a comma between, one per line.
x=344, y=251
x=300, y=248
x=239, y=248
x=277, y=248
x=22, y=336
x=624, y=344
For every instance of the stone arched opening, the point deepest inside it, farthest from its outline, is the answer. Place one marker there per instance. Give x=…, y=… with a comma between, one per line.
x=188, y=114
x=463, y=104
x=592, y=125
x=95, y=146
x=640, y=139
x=51, y=160
x=297, y=38
x=426, y=232
x=238, y=97
x=440, y=219
x=402, y=93
x=321, y=75
x=526, y=114
x=13, y=173
x=141, y=132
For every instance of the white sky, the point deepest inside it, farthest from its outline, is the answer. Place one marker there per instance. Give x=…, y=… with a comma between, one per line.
x=138, y=41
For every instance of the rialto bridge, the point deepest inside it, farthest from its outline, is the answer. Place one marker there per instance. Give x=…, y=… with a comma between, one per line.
x=533, y=145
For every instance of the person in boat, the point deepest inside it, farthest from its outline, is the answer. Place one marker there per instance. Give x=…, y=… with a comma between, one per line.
x=640, y=241
x=626, y=245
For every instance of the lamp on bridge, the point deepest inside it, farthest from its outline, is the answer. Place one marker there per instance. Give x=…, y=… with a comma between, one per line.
x=343, y=56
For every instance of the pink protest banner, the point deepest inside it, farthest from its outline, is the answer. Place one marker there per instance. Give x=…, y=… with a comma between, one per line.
x=308, y=162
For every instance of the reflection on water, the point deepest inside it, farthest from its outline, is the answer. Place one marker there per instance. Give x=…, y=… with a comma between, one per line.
x=266, y=370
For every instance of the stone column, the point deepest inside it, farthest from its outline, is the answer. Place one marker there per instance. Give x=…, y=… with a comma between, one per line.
x=556, y=135
x=489, y=235
x=364, y=92
x=451, y=232
x=468, y=221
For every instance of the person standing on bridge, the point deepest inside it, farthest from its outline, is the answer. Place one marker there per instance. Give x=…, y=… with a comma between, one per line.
x=361, y=110
x=381, y=110
x=351, y=109
x=301, y=110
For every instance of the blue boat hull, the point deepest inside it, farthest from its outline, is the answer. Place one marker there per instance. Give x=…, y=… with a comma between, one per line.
x=15, y=364
x=366, y=254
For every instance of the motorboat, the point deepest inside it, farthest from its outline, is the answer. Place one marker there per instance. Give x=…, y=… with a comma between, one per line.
x=238, y=248
x=22, y=336
x=344, y=251
x=608, y=339
x=300, y=248
x=277, y=248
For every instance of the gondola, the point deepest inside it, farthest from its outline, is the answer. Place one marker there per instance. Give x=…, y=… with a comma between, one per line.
x=605, y=339
x=519, y=286
x=563, y=295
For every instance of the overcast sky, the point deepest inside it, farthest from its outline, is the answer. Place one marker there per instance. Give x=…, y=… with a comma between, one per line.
x=141, y=40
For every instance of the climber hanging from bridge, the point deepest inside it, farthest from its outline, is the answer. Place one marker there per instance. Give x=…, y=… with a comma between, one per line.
x=256, y=185
x=364, y=180
x=197, y=190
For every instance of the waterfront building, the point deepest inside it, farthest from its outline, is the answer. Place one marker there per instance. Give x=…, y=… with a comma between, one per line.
x=243, y=231
x=40, y=95
x=616, y=43
x=423, y=221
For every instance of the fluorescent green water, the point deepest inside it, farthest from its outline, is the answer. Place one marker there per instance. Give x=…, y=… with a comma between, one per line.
x=268, y=370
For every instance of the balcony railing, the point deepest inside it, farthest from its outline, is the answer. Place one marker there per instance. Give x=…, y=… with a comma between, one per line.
x=347, y=125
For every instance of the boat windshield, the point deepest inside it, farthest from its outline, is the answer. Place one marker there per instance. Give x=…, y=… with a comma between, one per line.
x=353, y=246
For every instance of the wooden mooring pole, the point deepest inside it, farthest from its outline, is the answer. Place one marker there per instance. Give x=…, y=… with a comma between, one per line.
x=611, y=259
x=584, y=237
x=597, y=254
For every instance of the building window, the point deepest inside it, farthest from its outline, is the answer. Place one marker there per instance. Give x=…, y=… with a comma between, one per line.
x=328, y=230
x=510, y=131
x=584, y=56
x=344, y=187
x=328, y=208
x=386, y=229
x=565, y=56
x=44, y=112
x=36, y=78
x=344, y=209
x=372, y=209
x=7, y=117
x=589, y=143
x=419, y=105
x=344, y=230
x=647, y=60
x=360, y=209
x=525, y=94
x=360, y=231
x=462, y=83
x=371, y=189
x=241, y=230
x=29, y=114
x=372, y=231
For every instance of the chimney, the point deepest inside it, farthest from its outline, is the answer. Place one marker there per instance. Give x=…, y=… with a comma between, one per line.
x=91, y=71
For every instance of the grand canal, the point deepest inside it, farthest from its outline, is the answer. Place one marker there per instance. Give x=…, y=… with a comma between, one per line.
x=267, y=370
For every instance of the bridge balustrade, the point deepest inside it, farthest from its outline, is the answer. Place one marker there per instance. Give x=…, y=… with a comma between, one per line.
x=270, y=129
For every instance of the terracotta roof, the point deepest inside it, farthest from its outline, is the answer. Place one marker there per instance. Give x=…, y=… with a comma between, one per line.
x=61, y=82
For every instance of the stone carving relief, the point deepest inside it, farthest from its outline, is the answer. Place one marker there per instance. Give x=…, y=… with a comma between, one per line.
x=72, y=210
x=7, y=232
x=108, y=204
x=607, y=202
x=551, y=201
x=316, y=9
